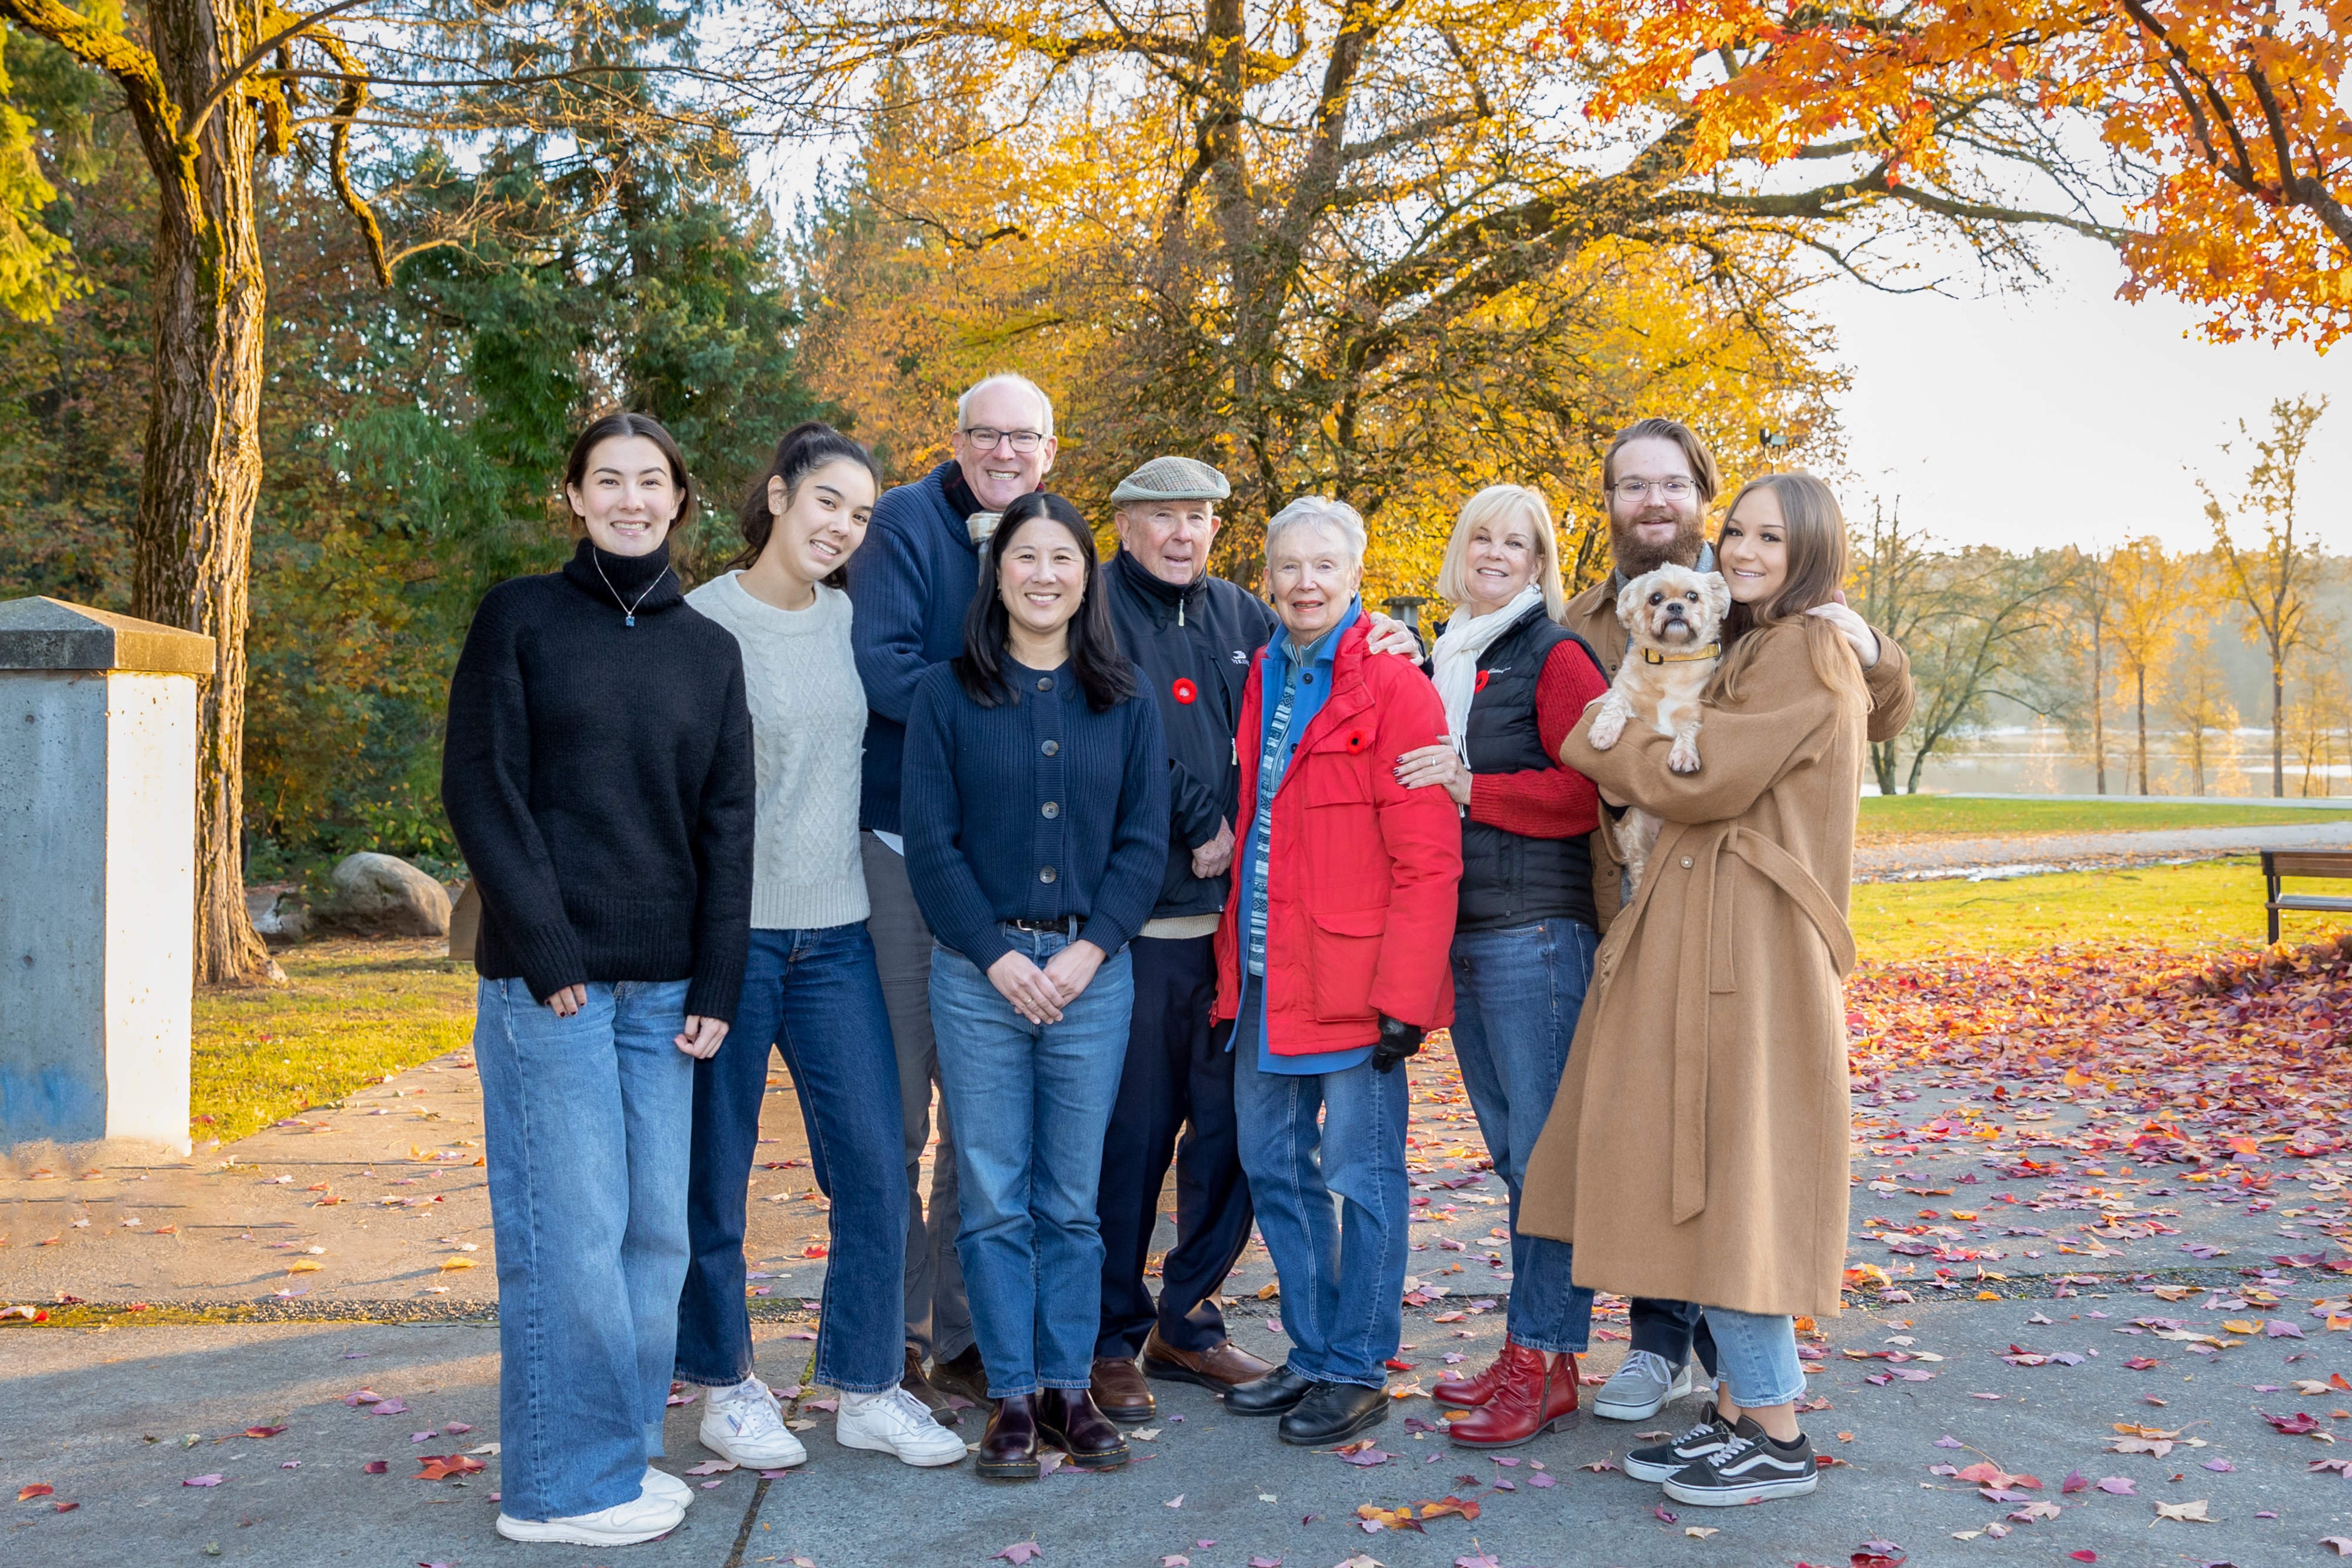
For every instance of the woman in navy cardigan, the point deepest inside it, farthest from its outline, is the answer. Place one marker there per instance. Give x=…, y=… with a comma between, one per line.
x=1036, y=803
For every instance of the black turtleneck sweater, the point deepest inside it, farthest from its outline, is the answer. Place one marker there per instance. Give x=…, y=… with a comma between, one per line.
x=1203, y=635
x=599, y=777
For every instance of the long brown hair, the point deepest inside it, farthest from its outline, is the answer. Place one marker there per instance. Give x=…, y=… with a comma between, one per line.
x=1815, y=528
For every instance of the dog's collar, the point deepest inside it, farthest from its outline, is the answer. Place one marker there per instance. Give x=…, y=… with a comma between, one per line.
x=1652, y=656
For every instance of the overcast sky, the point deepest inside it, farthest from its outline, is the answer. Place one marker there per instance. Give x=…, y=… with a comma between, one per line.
x=2067, y=415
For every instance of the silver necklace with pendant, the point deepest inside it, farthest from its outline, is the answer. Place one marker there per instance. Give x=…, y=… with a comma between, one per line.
x=628, y=611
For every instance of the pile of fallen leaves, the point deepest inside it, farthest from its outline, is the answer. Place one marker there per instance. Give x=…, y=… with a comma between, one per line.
x=2168, y=1061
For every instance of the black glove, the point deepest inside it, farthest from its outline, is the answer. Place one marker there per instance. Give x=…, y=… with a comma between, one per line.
x=1398, y=1041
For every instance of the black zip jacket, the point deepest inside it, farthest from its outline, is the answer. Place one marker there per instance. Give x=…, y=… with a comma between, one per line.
x=1194, y=645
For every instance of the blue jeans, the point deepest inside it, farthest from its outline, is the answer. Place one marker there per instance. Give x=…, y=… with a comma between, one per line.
x=1757, y=1355
x=1342, y=1279
x=815, y=996
x=586, y=1124
x=1517, y=992
x=1030, y=1102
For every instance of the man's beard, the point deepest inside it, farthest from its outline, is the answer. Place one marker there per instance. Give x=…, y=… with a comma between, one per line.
x=1633, y=556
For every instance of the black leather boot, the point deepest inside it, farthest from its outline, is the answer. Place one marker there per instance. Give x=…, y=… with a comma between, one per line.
x=1068, y=1418
x=1009, y=1451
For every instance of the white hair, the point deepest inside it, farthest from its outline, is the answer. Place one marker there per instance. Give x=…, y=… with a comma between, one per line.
x=1004, y=378
x=1318, y=512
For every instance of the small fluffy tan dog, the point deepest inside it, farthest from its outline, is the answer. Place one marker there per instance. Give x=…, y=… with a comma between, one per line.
x=1674, y=622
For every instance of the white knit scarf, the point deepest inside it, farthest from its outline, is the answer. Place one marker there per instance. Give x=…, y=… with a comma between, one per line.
x=1465, y=641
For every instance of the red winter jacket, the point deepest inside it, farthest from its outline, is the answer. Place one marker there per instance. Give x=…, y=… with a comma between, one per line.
x=1363, y=872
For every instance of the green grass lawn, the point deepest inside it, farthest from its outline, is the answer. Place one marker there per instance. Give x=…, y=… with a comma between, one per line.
x=2214, y=905
x=355, y=1012
x=358, y=1012
x=1889, y=818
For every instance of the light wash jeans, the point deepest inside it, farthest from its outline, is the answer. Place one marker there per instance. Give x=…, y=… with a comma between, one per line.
x=1030, y=1102
x=1757, y=1355
x=1517, y=992
x=1342, y=1279
x=586, y=1125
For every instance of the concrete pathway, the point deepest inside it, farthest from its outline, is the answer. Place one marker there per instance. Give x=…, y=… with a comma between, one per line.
x=1920, y=859
x=2019, y=1357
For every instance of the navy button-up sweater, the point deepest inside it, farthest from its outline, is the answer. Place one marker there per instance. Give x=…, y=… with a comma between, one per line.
x=1038, y=808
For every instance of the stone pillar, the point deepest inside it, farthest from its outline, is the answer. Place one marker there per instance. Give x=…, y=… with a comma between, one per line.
x=98, y=843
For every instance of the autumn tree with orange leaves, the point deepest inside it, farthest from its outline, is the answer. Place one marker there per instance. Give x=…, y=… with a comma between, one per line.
x=2226, y=179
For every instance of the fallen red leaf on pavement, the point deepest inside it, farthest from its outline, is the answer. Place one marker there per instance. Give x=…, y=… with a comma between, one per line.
x=263, y=1431
x=441, y=1467
x=34, y=1490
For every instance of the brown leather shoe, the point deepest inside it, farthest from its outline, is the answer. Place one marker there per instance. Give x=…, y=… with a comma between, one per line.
x=1068, y=1418
x=1221, y=1366
x=931, y=1399
x=1119, y=1390
x=1009, y=1451
x=962, y=1374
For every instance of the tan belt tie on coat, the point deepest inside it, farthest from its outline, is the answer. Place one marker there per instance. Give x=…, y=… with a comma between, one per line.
x=1706, y=969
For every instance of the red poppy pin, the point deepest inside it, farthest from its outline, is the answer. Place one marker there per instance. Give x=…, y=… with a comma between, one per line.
x=1481, y=683
x=1185, y=691
x=1358, y=739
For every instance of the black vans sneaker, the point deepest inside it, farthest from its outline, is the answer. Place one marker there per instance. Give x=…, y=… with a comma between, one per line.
x=1664, y=1461
x=1751, y=1468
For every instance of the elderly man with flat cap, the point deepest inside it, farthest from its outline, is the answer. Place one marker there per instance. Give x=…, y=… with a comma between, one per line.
x=1194, y=635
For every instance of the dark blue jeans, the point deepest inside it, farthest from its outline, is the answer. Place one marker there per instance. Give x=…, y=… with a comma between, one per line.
x=1175, y=1078
x=1517, y=992
x=815, y=996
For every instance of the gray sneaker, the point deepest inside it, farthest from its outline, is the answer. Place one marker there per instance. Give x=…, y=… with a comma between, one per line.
x=1642, y=1388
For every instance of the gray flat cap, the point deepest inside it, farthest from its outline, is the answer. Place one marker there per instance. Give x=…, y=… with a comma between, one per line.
x=1173, y=480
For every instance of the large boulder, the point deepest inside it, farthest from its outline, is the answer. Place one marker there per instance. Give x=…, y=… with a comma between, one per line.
x=383, y=895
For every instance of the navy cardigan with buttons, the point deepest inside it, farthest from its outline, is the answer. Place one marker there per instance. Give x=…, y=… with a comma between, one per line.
x=1037, y=809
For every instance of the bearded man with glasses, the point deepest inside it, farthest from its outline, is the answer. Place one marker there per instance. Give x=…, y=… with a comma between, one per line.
x=1657, y=481
x=908, y=589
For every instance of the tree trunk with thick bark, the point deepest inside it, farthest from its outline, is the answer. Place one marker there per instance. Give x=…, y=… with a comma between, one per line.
x=192, y=540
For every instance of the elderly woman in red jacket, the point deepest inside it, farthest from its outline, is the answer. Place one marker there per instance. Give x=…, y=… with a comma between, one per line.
x=1331, y=963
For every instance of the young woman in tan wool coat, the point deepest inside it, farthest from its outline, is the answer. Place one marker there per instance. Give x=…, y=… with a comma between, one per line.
x=1698, y=1147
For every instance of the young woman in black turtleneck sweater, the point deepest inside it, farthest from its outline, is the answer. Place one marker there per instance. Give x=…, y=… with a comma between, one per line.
x=598, y=773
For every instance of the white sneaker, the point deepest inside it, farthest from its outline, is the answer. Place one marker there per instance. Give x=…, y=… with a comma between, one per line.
x=895, y=1422
x=623, y=1524
x=661, y=1483
x=1642, y=1386
x=749, y=1429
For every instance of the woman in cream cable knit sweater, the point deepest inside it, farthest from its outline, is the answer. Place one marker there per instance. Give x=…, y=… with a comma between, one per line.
x=810, y=987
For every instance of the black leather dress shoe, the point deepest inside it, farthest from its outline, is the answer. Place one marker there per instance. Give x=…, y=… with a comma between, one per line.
x=1009, y=1451
x=1272, y=1394
x=1334, y=1413
x=1066, y=1417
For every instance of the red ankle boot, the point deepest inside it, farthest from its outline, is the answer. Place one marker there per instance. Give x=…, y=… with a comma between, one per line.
x=1538, y=1397
x=1474, y=1391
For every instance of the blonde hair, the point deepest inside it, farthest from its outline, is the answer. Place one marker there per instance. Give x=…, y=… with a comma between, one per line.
x=1500, y=503
x=1817, y=565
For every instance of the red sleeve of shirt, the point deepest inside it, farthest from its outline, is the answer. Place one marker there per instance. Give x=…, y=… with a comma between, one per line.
x=1552, y=802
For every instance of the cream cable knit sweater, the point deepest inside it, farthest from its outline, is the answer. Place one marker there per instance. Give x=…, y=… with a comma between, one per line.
x=808, y=730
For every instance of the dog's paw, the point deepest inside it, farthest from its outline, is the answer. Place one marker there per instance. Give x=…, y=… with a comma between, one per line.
x=1607, y=726
x=1683, y=758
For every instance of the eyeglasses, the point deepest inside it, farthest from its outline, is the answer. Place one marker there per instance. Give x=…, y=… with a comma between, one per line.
x=1634, y=489
x=986, y=439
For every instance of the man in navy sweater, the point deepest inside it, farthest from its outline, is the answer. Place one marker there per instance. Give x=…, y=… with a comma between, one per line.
x=910, y=585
